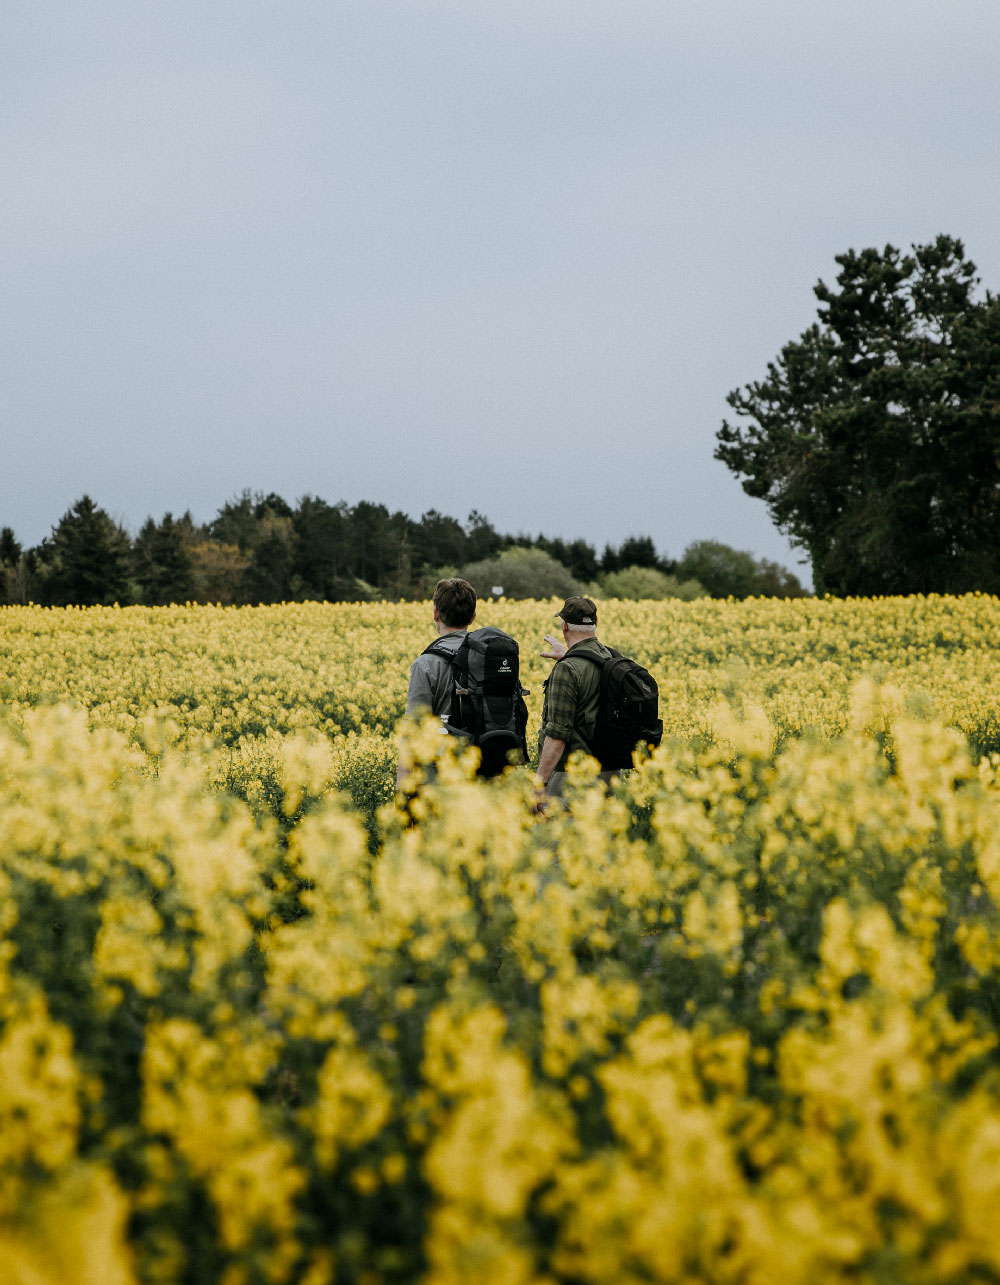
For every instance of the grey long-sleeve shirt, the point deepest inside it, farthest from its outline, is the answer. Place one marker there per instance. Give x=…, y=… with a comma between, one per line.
x=430, y=686
x=430, y=680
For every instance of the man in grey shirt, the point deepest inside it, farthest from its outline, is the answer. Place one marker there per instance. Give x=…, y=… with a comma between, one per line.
x=431, y=679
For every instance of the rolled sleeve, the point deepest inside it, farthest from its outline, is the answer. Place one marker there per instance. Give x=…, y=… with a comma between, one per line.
x=561, y=704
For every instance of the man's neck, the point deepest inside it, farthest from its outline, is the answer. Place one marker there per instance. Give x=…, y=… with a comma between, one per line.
x=444, y=630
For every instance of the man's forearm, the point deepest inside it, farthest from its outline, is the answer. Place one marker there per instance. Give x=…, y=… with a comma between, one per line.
x=552, y=752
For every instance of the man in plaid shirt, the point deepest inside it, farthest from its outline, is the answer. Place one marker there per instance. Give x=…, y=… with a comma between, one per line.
x=572, y=695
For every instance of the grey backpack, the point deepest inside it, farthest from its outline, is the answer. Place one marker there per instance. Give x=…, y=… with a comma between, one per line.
x=487, y=700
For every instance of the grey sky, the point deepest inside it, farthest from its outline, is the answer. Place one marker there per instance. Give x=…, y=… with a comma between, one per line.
x=427, y=252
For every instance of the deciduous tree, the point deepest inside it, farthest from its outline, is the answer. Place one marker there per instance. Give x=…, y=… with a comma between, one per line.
x=726, y=572
x=648, y=582
x=522, y=573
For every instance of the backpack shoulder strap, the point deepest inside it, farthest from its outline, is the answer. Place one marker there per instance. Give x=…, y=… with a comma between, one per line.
x=437, y=648
x=590, y=655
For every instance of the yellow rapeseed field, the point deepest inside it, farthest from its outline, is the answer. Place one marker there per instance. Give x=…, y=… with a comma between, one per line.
x=736, y=1022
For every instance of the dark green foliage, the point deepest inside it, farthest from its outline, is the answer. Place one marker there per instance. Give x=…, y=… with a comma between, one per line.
x=246, y=520
x=610, y=560
x=10, y=561
x=376, y=540
x=639, y=551
x=875, y=439
x=438, y=541
x=636, y=551
x=86, y=559
x=258, y=549
x=733, y=573
x=273, y=505
x=268, y=578
x=322, y=548
x=481, y=539
x=163, y=568
x=579, y=557
x=235, y=523
x=10, y=550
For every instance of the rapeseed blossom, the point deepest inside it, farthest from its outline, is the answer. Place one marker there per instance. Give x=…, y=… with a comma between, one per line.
x=259, y=1022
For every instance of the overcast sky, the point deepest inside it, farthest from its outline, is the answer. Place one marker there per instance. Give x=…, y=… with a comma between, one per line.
x=505, y=255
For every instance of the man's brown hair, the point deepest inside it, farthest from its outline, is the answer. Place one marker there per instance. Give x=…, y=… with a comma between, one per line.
x=456, y=602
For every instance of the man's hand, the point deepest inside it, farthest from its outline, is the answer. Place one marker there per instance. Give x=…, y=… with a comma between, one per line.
x=556, y=649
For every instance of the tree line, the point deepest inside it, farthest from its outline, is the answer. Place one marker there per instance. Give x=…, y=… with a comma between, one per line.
x=261, y=549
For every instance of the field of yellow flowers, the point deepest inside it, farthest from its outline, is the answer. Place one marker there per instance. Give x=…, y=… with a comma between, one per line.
x=737, y=1022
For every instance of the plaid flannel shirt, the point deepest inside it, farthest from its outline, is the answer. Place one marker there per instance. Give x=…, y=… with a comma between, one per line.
x=572, y=696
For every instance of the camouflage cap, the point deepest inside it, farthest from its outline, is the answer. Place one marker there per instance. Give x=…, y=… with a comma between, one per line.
x=578, y=611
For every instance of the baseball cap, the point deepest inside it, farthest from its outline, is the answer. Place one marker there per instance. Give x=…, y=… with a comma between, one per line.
x=578, y=611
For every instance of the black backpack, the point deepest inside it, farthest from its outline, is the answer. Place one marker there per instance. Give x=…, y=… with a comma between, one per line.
x=487, y=700
x=628, y=715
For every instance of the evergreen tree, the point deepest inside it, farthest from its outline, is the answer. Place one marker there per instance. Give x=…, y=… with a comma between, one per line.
x=482, y=539
x=581, y=558
x=11, y=556
x=236, y=522
x=437, y=541
x=639, y=551
x=268, y=578
x=376, y=537
x=322, y=550
x=875, y=439
x=610, y=560
x=247, y=520
x=271, y=505
x=163, y=567
x=10, y=550
x=554, y=547
x=85, y=561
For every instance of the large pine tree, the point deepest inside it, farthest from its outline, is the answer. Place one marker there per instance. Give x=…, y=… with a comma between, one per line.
x=162, y=562
x=86, y=559
x=875, y=438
